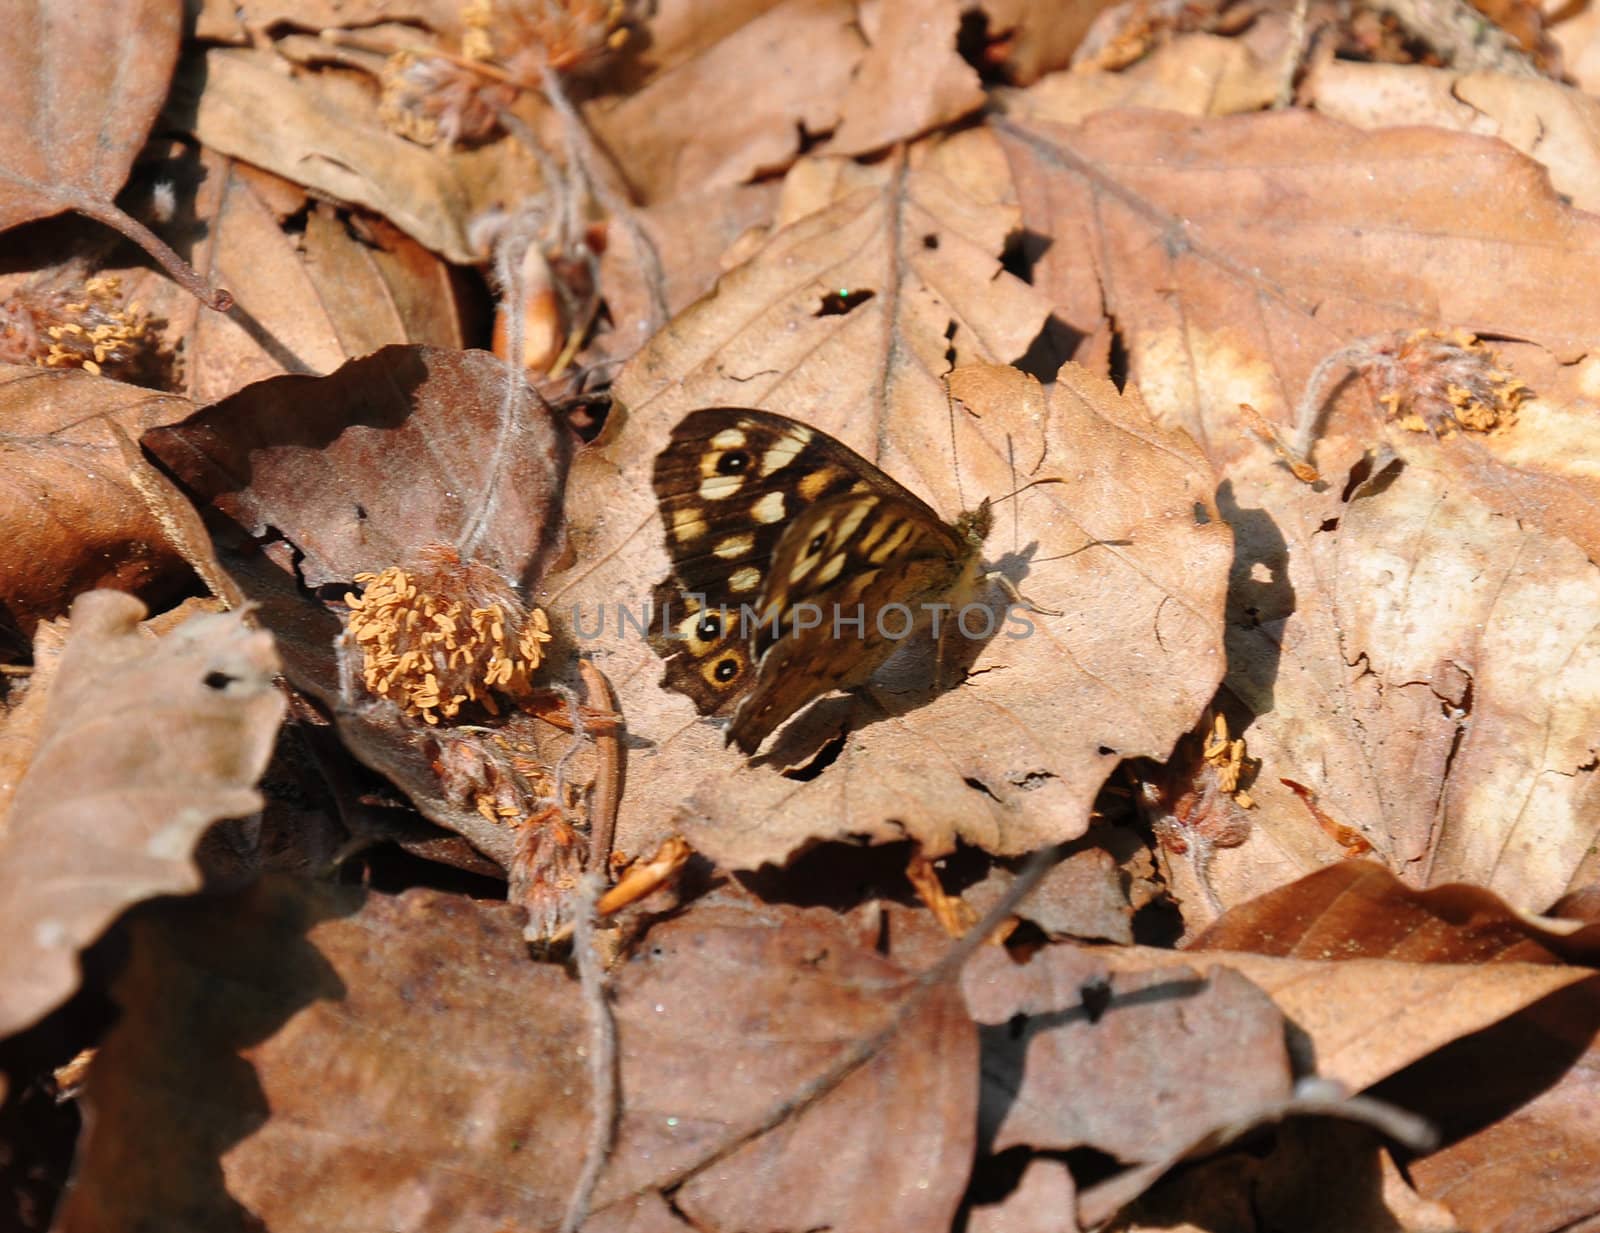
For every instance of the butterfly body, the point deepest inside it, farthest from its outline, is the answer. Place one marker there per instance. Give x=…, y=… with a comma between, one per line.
x=772, y=524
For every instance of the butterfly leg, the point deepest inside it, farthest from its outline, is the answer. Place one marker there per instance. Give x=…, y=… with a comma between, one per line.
x=1016, y=596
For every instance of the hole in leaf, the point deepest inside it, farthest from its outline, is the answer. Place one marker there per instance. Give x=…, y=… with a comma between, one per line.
x=838, y=303
x=930, y=242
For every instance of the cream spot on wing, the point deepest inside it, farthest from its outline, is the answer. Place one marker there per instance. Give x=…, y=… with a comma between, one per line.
x=801, y=568
x=746, y=579
x=687, y=524
x=769, y=508
x=786, y=450
x=857, y=586
x=876, y=532
x=852, y=520
x=720, y=487
x=735, y=546
x=861, y=486
x=887, y=549
x=830, y=571
x=728, y=439
x=812, y=485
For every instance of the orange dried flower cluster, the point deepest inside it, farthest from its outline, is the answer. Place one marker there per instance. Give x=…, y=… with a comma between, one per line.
x=88, y=328
x=432, y=655
x=505, y=45
x=1437, y=381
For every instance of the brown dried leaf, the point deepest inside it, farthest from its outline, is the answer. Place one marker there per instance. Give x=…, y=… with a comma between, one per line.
x=1547, y=121
x=83, y=93
x=322, y=130
x=1136, y=1064
x=1449, y=659
x=361, y=468
x=328, y=1010
x=1182, y=223
x=1197, y=74
x=1350, y=639
x=1357, y=909
x=714, y=103
x=72, y=520
x=1053, y=711
x=1504, y=1091
x=911, y=79
x=144, y=745
x=1029, y=38
x=1522, y=1091
x=308, y=297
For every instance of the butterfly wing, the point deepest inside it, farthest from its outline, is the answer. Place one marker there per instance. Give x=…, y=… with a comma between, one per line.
x=844, y=591
x=729, y=484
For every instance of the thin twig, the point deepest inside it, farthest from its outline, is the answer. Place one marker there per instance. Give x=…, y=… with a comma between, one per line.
x=587, y=157
x=602, y=1055
x=608, y=777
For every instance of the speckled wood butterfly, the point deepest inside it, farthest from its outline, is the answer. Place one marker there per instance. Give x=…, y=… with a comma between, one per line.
x=772, y=525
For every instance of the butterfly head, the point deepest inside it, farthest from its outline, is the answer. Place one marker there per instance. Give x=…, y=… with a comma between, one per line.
x=974, y=525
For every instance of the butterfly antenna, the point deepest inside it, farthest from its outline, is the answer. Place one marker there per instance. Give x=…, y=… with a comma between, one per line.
x=955, y=459
x=1016, y=510
x=1016, y=492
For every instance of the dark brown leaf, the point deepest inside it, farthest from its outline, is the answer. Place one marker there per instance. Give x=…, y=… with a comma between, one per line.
x=72, y=519
x=356, y=1061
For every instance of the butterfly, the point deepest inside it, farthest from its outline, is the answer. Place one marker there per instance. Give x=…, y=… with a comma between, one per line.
x=770, y=525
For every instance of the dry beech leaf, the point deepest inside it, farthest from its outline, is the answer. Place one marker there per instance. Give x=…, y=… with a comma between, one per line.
x=325, y=1011
x=1082, y=897
x=1183, y=223
x=1053, y=713
x=691, y=234
x=1136, y=1064
x=72, y=519
x=1359, y=909
x=144, y=745
x=360, y=468
x=84, y=96
x=1505, y=1091
x=310, y=294
x=1435, y=686
x=911, y=80
x=1041, y=1203
x=1367, y=1019
x=1545, y=120
x=322, y=131
x=235, y=21
x=22, y=716
x=84, y=92
x=1028, y=38
x=1197, y=74
x=358, y=471
x=718, y=125
x=1523, y=1090
x=1218, y=214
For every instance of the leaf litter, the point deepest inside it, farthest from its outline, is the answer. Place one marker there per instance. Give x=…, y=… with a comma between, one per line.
x=1290, y=421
